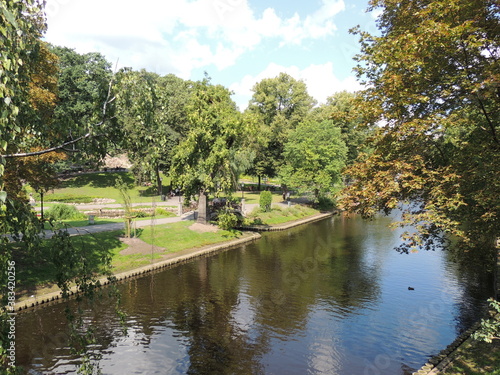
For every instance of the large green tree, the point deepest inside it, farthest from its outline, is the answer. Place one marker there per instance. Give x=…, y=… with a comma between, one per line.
x=279, y=105
x=152, y=112
x=83, y=91
x=345, y=110
x=315, y=155
x=433, y=83
x=202, y=161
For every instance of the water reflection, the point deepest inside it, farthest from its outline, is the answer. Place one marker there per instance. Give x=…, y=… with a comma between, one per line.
x=330, y=297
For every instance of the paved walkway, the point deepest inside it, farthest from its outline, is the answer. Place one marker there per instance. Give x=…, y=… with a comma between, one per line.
x=95, y=206
x=91, y=229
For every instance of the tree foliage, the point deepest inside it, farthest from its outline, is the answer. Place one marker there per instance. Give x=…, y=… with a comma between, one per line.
x=151, y=110
x=20, y=29
x=345, y=110
x=202, y=160
x=315, y=155
x=433, y=82
x=83, y=105
x=279, y=104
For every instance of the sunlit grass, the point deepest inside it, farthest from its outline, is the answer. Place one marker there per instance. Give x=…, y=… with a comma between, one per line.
x=85, y=187
x=280, y=215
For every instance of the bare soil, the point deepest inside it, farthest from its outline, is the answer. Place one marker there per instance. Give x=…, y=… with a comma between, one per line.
x=138, y=246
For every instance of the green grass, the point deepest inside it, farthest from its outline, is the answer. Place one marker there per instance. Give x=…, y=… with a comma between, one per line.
x=280, y=215
x=84, y=188
x=474, y=358
x=177, y=236
x=254, y=197
x=35, y=271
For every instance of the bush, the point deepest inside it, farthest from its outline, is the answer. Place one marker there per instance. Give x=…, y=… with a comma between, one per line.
x=63, y=212
x=163, y=212
x=227, y=220
x=140, y=214
x=490, y=328
x=266, y=199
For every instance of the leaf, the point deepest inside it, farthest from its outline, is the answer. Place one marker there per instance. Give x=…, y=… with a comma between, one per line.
x=3, y=196
x=10, y=17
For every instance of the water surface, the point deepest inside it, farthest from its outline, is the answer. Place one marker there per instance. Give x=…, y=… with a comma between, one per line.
x=326, y=298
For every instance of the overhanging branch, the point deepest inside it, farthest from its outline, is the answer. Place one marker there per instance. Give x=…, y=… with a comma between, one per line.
x=46, y=151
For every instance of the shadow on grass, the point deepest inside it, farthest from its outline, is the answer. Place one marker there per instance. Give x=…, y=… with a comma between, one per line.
x=41, y=268
x=476, y=358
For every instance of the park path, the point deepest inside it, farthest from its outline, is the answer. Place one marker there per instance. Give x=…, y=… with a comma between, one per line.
x=98, y=228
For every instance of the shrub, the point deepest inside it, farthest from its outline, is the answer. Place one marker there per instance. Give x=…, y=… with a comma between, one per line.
x=140, y=214
x=227, y=220
x=63, y=212
x=265, y=201
x=163, y=212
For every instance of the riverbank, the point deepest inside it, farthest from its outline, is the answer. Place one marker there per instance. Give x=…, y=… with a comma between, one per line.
x=465, y=356
x=49, y=296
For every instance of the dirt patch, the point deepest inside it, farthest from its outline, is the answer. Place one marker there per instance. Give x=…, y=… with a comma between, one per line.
x=203, y=228
x=138, y=246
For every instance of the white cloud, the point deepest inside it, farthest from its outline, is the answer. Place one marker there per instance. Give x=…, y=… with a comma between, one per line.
x=178, y=37
x=320, y=80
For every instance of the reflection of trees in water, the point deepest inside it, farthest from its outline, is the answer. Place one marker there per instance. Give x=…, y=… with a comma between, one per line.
x=197, y=300
x=43, y=336
x=474, y=273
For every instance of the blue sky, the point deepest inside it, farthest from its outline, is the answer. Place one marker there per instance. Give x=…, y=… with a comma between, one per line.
x=237, y=42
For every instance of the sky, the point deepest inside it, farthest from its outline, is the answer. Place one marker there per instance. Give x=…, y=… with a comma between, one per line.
x=237, y=42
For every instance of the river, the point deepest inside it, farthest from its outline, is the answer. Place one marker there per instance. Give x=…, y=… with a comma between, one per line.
x=330, y=297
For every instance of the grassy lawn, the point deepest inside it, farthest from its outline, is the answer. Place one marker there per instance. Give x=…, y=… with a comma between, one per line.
x=85, y=187
x=38, y=271
x=476, y=357
x=280, y=215
x=177, y=236
x=254, y=196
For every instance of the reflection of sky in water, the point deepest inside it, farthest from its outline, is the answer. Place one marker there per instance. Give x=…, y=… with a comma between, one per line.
x=163, y=352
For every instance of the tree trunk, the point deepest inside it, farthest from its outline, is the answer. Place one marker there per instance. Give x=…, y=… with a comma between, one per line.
x=258, y=188
x=202, y=208
x=41, y=205
x=159, y=181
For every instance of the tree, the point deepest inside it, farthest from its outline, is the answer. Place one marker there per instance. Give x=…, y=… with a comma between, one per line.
x=26, y=136
x=21, y=30
x=202, y=161
x=345, y=110
x=42, y=96
x=279, y=104
x=432, y=78
x=315, y=155
x=83, y=88
x=151, y=110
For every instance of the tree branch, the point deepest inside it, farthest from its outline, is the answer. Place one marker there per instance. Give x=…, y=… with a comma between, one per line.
x=69, y=143
x=46, y=151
